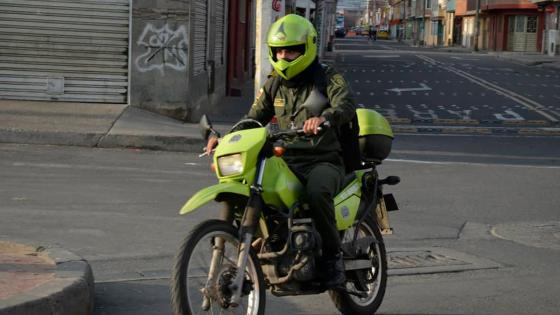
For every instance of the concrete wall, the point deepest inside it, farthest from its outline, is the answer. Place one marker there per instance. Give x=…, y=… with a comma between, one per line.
x=162, y=79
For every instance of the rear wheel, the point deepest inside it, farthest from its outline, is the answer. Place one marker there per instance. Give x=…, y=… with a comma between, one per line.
x=190, y=287
x=375, y=278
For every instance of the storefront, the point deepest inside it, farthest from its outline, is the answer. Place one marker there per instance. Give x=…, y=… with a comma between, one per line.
x=522, y=33
x=65, y=51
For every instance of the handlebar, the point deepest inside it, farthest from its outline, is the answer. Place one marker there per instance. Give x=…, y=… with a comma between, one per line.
x=277, y=135
x=297, y=132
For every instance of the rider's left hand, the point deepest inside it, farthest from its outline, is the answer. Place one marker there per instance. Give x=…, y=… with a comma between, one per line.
x=310, y=126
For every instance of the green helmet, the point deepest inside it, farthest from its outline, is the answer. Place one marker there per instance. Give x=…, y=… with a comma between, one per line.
x=292, y=30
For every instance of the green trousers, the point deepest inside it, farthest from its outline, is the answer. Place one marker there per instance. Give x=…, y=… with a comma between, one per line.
x=322, y=182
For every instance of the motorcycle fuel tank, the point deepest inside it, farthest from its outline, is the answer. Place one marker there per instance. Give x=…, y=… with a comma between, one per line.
x=281, y=187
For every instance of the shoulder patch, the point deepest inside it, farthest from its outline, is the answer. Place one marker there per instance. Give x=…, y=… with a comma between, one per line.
x=257, y=98
x=338, y=80
x=261, y=91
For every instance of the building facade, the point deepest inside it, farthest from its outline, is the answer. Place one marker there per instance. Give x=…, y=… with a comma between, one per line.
x=171, y=57
x=504, y=25
x=551, y=32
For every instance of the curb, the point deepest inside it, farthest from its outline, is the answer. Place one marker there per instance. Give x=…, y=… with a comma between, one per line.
x=70, y=292
x=165, y=143
x=471, y=130
x=194, y=143
x=49, y=137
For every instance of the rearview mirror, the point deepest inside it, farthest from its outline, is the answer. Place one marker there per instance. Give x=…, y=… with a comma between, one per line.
x=315, y=104
x=205, y=127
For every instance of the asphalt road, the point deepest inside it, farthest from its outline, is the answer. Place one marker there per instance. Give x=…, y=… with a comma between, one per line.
x=487, y=205
x=427, y=87
x=479, y=199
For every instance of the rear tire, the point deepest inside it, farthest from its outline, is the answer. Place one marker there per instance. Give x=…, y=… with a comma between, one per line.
x=192, y=264
x=377, y=276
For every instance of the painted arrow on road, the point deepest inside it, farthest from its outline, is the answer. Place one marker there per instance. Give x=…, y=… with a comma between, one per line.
x=423, y=87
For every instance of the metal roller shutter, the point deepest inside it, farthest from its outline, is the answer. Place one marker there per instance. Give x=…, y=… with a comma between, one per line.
x=220, y=31
x=74, y=50
x=200, y=29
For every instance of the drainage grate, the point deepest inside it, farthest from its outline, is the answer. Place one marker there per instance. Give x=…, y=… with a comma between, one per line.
x=409, y=261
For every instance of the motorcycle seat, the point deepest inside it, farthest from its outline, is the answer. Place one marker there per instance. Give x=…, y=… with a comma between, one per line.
x=348, y=179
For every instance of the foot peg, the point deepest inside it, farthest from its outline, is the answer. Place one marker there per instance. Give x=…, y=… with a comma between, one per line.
x=390, y=180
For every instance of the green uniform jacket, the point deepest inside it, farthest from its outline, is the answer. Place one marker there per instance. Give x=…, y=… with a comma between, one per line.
x=308, y=150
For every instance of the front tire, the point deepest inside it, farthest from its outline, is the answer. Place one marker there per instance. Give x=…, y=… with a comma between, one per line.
x=377, y=276
x=192, y=264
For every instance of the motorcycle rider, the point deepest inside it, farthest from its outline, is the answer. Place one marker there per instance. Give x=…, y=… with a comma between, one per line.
x=315, y=158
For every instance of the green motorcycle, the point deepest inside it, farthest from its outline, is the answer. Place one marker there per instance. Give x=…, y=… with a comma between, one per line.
x=264, y=238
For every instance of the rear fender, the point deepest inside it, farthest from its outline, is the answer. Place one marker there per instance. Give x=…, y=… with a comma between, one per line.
x=207, y=194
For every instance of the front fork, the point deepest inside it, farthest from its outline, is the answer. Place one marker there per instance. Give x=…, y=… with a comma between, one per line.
x=248, y=228
x=210, y=288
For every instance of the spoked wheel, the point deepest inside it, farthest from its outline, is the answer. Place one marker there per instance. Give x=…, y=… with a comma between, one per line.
x=192, y=292
x=375, y=282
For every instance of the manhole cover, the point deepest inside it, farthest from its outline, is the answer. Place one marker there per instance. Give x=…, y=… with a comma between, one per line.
x=534, y=234
x=433, y=260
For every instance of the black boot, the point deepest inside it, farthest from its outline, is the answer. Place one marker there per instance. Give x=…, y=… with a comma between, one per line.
x=334, y=272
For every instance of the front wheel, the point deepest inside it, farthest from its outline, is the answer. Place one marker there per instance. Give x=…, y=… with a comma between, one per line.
x=193, y=292
x=376, y=277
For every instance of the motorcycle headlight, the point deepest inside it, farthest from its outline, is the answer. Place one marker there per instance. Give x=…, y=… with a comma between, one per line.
x=230, y=164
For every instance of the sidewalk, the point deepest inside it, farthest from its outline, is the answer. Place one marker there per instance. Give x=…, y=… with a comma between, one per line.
x=35, y=280
x=106, y=125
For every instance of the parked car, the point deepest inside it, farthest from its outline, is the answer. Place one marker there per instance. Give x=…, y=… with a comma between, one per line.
x=383, y=34
x=340, y=32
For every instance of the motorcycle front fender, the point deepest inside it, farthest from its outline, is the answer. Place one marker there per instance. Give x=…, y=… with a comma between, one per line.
x=207, y=194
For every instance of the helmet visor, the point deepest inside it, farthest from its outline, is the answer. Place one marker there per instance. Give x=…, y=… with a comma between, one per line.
x=297, y=48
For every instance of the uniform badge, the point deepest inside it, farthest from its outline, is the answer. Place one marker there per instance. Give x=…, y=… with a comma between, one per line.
x=278, y=102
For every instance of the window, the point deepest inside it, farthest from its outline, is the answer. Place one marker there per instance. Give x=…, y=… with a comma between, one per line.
x=511, y=24
x=531, y=24
x=520, y=24
x=434, y=28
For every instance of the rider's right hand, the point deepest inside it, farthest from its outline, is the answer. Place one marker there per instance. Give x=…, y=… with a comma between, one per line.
x=211, y=144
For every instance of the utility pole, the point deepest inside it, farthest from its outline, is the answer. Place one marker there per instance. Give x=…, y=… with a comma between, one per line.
x=374, y=15
x=268, y=11
x=477, y=25
x=402, y=35
x=424, y=23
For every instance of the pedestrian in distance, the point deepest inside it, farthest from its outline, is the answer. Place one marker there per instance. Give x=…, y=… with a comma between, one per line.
x=372, y=33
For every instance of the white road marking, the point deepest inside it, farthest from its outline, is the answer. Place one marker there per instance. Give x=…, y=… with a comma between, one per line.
x=109, y=168
x=423, y=87
x=381, y=56
x=520, y=99
x=463, y=58
x=471, y=163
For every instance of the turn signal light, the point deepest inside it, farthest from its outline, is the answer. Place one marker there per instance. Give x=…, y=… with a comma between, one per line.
x=278, y=151
x=213, y=167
